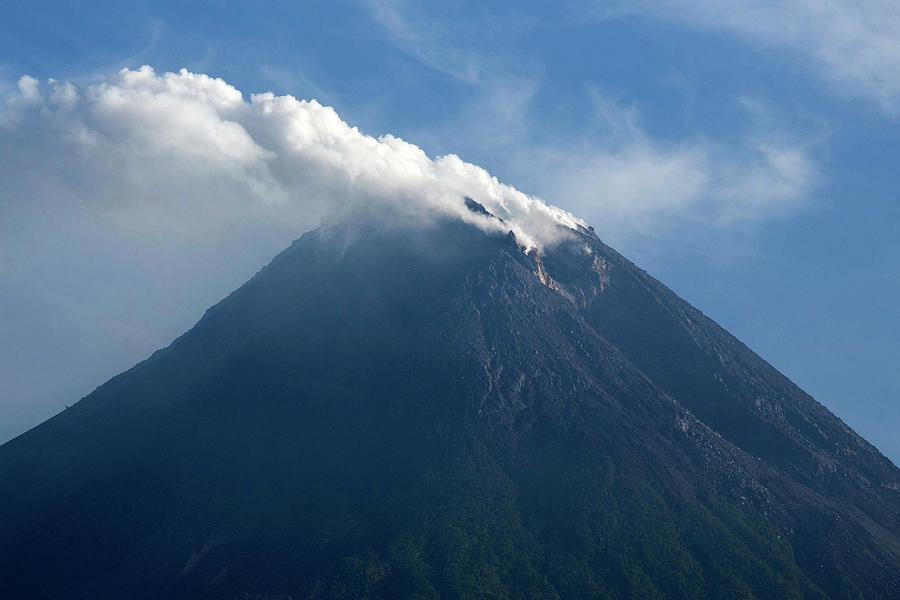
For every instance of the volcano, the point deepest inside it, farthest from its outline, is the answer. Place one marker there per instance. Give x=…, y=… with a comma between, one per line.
x=433, y=411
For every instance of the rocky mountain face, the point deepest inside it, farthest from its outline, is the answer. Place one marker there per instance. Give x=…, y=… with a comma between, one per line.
x=431, y=412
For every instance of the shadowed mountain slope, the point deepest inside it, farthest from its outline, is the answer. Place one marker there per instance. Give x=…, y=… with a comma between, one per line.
x=433, y=413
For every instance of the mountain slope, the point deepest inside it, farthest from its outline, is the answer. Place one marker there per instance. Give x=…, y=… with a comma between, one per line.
x=431, y=412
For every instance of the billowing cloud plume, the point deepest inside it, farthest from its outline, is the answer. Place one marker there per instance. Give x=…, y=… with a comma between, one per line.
x=189, y=149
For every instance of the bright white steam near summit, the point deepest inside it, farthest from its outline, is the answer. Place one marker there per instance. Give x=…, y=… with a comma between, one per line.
x=189, y=149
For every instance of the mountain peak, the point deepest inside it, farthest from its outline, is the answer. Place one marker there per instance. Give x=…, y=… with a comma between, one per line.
x=477, y=208
x=424, y=412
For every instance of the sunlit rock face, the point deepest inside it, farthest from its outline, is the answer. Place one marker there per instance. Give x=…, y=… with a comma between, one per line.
x=442, y=411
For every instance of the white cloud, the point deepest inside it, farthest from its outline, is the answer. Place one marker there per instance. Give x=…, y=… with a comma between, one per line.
x=189, y=149
x=28, y=89
x=855, y=44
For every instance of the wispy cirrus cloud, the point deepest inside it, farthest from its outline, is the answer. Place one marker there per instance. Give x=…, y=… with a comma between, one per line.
x=614, y=172
x=628, y=183
x=449, y=43
x=853, y=44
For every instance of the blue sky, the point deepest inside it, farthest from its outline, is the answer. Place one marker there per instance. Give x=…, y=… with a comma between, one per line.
x=745, y=153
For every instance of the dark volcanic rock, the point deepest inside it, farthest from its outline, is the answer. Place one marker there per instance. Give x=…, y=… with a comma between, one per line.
x=434, y=413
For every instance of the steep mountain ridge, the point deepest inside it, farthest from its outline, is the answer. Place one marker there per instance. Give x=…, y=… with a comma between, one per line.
x=747, y=401
x=433, y=412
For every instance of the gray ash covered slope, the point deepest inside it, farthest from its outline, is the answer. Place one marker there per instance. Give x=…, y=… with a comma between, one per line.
x=434, y=413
